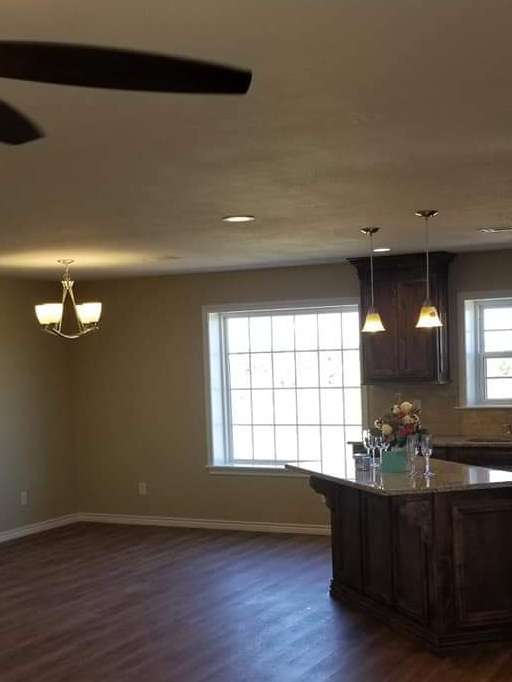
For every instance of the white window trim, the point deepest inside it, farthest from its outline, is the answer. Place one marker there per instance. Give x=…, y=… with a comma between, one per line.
x=470, y=372
x=215, y=430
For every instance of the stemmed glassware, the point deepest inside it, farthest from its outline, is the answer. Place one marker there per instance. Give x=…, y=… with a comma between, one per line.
x=369, y=442
x=426, y=448
x=381, y=446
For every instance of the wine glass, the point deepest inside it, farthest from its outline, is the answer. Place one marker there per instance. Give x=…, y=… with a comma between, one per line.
x=369, y=444
x=426, y=448
x=366, y=440
x=380, y=445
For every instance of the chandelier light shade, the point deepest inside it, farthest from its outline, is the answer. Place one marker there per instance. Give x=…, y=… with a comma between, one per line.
x=372, y=322
x=89, y=313
x=50, y=315
x=428, y=317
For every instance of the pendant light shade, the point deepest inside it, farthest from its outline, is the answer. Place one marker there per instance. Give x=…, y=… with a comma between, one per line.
x=372, y=323
x=428, y=317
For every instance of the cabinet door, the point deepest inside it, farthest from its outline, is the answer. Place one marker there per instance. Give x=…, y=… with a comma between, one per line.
x=380, y=360
x=412, y=538
x=403, y=352
x=415, y=346
x=346, y=530
x=442, y=453
x=499, y=458
x=376, y=533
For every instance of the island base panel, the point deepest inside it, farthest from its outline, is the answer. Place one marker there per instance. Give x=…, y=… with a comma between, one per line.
x=437, y=566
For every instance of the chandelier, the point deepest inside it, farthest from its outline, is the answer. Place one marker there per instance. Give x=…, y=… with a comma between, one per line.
x=87, y=315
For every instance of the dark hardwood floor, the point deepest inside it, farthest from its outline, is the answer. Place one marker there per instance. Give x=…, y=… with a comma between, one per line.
x=96, y=603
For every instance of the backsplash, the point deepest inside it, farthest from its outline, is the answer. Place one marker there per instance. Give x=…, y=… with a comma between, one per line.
x=484, y=422
x=439, y=413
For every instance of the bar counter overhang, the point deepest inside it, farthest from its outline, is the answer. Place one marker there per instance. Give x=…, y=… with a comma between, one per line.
x=431, y=557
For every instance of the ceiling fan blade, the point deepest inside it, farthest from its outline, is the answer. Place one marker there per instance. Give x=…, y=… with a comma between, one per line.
x=100, y=67
x=15, y=127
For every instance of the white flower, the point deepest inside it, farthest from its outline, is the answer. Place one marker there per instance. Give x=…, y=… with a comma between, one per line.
x=406, y=407
x=407, y=419
x=396, y=409
x=387, y=429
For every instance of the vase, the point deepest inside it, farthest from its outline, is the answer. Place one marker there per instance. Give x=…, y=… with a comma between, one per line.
x=394, y=461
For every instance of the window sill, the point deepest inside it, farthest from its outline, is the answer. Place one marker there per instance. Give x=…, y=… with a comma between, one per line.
x=504, y=406
x=240, y=470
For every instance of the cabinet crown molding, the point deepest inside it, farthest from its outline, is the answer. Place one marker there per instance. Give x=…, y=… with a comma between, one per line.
x=412, y=262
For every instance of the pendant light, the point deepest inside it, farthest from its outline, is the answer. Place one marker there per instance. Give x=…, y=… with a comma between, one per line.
x=428, y=317
x=49, y=315
x=372, y=323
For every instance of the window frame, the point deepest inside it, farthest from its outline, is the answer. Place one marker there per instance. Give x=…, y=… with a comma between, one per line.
x=219, y=435
x=473, y=357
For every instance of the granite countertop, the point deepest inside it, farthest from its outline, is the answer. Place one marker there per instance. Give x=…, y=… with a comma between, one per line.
x=466, y=442
x=473, y=442
x=449, y=476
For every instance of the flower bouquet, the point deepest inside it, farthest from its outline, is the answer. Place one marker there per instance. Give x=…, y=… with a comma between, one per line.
x=402, y=420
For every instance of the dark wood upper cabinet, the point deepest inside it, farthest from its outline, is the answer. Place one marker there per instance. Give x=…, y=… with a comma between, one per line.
x=402, y=352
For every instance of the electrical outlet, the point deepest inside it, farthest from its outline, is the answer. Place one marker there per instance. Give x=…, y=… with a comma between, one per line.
x=417, y=403
x=143, y=488
x=24, y=498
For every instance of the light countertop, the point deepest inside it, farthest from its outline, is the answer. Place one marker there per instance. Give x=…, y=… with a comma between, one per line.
x=502, y=442
x=473, y=442
x=449, y=476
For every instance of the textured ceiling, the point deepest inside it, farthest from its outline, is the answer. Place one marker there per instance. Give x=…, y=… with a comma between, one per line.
x=359, y=112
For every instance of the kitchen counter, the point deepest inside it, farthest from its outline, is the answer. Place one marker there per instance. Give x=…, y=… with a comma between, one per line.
x=431, y=558
x=449, y=476
x=473, y=442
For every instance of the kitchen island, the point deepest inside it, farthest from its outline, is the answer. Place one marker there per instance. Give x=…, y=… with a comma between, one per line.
x=431, y=557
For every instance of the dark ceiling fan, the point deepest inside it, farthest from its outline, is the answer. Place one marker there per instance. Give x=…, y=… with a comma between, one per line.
x=99, y=67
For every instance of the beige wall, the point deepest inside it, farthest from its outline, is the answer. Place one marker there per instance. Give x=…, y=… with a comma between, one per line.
x=35, y=433
x=138, y=409
x=140, y=413
x=141, y=407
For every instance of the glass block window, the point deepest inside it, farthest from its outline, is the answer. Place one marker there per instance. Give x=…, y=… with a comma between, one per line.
x=291, y=384
x=489, y=351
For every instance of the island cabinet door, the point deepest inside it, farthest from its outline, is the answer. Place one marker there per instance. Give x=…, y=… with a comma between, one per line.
x=346, y=539
x=412, y=541
x=376, y=544
x=473, y=532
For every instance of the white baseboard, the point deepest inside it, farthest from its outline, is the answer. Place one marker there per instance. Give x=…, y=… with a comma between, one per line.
x=212, y=524
x=38, y=527
x=169, y=521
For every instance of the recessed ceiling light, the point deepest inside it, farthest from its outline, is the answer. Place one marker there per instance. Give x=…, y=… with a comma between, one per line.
x=381, y=249
x=497, y=228
x=238, y=218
